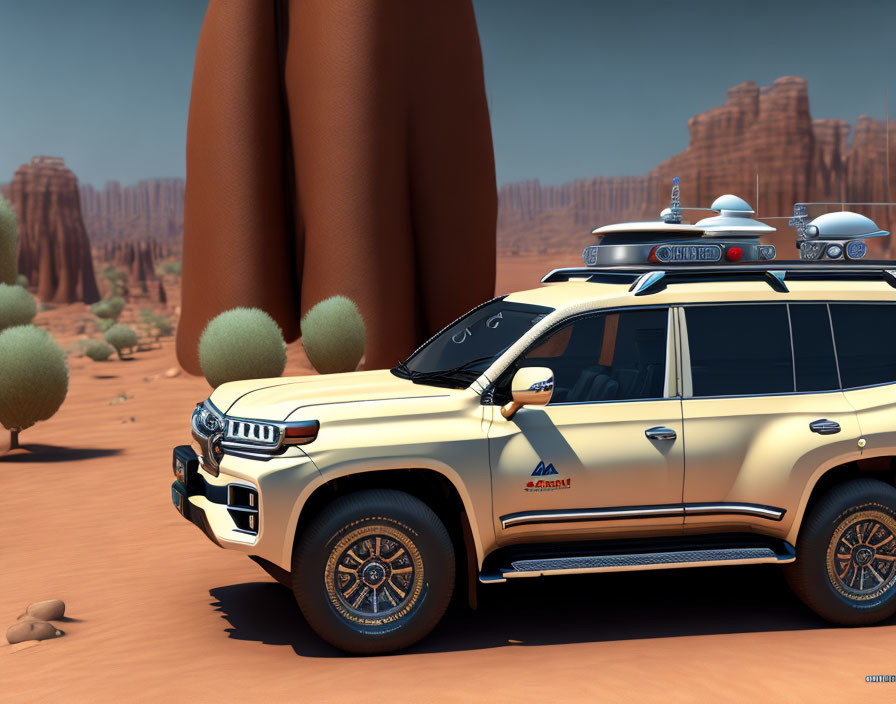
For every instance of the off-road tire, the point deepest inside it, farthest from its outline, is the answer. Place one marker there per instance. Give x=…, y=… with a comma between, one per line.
x=815, y=576
x=348, y=547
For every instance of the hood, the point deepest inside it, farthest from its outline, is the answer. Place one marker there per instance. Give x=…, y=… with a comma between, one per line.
x=276, y=399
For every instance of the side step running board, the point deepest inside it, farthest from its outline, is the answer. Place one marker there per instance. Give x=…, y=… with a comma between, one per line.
x=543, y=567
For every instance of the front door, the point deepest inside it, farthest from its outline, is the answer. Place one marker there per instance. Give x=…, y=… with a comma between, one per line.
x=607, y=452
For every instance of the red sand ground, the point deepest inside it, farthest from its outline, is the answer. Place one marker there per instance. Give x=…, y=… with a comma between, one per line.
x=158, y=613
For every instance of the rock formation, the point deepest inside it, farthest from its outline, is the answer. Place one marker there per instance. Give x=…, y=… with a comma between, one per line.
x=137, y=259
x=54, y=250
x=153, y=208
x=766, y=131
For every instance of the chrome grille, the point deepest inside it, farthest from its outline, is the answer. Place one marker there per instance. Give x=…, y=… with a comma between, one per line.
x=252, y=432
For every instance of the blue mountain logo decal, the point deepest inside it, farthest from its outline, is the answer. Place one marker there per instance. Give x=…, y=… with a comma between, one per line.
x=542, y=471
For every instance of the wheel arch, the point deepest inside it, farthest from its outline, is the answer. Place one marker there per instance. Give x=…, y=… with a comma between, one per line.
x=881, y=467
x=441, y=491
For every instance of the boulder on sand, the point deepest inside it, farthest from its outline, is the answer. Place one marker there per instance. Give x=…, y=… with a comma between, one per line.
x=31, y=630
x=50, y=610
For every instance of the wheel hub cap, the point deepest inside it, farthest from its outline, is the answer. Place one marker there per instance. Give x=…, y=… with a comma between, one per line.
x=861, y=557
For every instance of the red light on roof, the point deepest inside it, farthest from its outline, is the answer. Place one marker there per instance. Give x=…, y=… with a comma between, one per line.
x=734, y=254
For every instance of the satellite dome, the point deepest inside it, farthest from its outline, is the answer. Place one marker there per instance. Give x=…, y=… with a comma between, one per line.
x=729, y=204
x=843, y=225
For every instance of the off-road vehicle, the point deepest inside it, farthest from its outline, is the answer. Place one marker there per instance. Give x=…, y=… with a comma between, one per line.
x=686, y=400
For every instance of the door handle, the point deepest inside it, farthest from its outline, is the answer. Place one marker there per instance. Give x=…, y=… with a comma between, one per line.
x=824, y=426
x=660, y=433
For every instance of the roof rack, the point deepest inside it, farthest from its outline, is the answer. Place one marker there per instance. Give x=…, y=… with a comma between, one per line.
x=645, y=280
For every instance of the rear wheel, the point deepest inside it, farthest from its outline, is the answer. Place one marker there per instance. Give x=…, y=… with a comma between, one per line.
x=846, y=555
x=374, y=572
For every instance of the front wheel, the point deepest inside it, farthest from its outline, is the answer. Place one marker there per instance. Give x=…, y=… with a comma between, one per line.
x=846, y=554
x=374, y=572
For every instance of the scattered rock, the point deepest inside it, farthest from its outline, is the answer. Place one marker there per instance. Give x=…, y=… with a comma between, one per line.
x=173, y=372
x=31, y=630
x=121, y=398
x=49, y=610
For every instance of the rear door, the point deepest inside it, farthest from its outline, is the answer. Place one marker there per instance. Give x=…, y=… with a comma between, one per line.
x=763, y=412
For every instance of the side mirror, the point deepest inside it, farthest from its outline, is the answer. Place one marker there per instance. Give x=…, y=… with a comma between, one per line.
x=531, y=386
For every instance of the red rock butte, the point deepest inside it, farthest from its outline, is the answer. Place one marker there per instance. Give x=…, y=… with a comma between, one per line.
x=758, y=130
x=54, y=250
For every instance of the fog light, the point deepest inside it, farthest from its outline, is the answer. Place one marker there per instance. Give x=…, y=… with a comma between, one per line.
x=834, y=251
x=734, y=254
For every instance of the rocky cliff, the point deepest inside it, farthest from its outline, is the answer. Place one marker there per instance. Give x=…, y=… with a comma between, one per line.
x=153, y=208
x=764, y=131
x=54, y=250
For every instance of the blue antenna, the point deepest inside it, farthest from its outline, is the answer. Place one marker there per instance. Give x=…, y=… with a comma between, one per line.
x=674, y=214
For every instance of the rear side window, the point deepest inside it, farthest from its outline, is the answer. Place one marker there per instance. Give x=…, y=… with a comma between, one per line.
x=865, y=334
x=813, y=348
x=739, y=350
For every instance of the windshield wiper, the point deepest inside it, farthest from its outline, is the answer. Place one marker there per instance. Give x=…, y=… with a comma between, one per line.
x=461, y=373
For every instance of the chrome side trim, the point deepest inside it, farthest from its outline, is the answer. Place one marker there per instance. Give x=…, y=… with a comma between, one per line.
x=601, y=514
x=758, y=510
x=635, y=512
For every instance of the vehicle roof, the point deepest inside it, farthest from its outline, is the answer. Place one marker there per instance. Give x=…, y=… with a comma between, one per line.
x=610, y=295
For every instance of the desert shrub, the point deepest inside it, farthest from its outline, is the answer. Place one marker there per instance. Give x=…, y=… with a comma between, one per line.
x=9, y=239
x=103, y=324
x=158, y=324
x=121, y=337
x=169, y=268
x=33, y=378
x=108, y=309
x=117, y=279
x=242, y=343
x=22, y=280
x=98, y=351
x=333, y=335
x=17, y=306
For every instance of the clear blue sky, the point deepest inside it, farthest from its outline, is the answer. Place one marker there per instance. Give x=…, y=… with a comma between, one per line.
x=576, y=87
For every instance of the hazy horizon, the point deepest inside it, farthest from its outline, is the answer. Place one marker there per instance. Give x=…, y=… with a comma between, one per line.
x=576, y=88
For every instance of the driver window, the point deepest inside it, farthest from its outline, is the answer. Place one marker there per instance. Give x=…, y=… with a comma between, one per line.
x=614, y=356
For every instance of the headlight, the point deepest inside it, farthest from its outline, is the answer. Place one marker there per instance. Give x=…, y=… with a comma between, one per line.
x=207, y=420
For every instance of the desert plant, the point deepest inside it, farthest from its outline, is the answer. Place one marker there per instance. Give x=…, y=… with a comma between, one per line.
x=108, y=309
x=117, y=279
x=98, y=351
x=333, y=335
x=121, y=337
x=33, y=378
x=242, y=343
x=9, y=239
x=17, y=306
x=103, y=324
x=22, y=280
x=169, y=268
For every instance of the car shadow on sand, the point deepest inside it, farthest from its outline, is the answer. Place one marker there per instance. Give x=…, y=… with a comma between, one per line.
x=557, y=610
x=33, y=452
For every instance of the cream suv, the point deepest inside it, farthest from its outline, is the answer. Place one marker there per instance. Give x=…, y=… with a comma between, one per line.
x=612, y=419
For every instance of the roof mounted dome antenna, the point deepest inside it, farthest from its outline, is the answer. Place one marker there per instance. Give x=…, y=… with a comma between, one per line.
x=838, y=235
x=672, y=214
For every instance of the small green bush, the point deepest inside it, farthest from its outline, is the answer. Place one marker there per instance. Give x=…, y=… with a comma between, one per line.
x=98, y=351
x=103, y=324
x=108, y=309
x=117, y=279
x=9, y=240
x=33, y=378
x=333, y=335
x=161, y=325
x=242, y=343
x=17, y=306
x=22, y=280
x=121, y=337
x=169, y=268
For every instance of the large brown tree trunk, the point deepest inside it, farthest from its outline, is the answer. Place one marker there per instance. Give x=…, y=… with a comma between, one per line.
x=338, y=147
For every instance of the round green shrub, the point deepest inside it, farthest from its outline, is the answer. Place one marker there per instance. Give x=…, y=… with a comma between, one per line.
x=333, y=335
x=17, y=306
x=108, y=309
x=121, y=337
x=22, y=280
x=9, y=240
x=98, y=351
x=33, y=378
x=242, y=343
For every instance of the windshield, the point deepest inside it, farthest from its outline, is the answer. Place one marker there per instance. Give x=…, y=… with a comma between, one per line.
x=466, y=348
